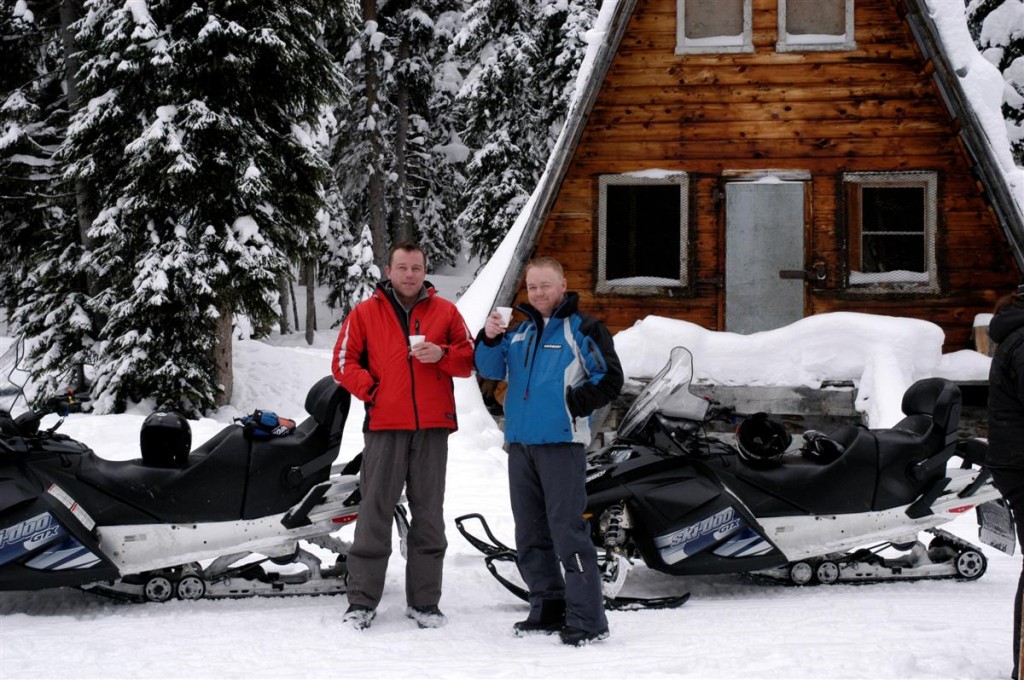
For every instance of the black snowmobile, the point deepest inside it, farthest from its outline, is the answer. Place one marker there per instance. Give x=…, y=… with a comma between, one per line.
x=223, y=520
x=845, y=507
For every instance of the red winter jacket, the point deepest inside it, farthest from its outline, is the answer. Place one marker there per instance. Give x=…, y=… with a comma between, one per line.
x=372, y=360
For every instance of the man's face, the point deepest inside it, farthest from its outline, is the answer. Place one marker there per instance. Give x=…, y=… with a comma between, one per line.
x=544, y=288
x=407, y=272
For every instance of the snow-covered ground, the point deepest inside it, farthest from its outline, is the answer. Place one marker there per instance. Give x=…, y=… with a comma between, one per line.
x=731, y=627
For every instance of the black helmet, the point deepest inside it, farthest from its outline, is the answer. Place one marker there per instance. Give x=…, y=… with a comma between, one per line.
x=166, y=439
x=760, y=439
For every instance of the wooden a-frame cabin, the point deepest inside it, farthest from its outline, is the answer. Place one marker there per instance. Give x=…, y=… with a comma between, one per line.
x=742, y=164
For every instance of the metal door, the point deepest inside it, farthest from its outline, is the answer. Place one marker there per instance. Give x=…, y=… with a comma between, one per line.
x=764, y=255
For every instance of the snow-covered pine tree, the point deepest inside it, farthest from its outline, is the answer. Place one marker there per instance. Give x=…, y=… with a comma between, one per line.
x=428, y=178
x=997, y=27
x=394, y=176
x=194, y=142
x=514, y=102
x=44, y=277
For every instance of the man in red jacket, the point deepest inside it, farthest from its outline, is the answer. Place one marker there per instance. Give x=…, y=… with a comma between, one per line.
x=407, y=385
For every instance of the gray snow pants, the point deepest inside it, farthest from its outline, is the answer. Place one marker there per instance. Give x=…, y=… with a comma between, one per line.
x=548, y=489
x=392, y=459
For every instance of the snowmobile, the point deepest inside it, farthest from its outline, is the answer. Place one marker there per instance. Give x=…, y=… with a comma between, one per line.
x=223, y=520
x=845, y=507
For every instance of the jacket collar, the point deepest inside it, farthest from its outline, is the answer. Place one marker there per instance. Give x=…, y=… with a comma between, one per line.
x=565, y=309
x=1006, y=321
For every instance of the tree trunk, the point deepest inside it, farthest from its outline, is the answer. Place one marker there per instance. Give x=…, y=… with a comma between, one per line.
x=310, y=300
x=70, y=12
x=375, y=188
x=403, y=221
x=222, y=356
x=283, y=293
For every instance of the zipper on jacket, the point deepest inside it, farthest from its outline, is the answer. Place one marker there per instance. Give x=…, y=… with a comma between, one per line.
x=532, y=360
x=412, y=372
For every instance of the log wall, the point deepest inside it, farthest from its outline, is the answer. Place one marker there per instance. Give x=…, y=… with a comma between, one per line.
x=875, y=108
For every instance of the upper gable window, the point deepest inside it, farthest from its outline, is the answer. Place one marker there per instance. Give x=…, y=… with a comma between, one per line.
x=892, y=226
x=643, y=234
x=713, y=26
x=809, y=25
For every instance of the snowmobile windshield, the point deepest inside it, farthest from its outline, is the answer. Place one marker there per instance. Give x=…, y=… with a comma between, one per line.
x=12, y=378
x=667, y=393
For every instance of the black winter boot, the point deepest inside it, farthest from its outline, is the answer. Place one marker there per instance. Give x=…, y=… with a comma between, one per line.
x=552, y=619
x=577, y=637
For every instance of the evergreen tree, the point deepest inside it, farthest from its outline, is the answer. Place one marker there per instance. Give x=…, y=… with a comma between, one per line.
x=394, y=177
x=514, y=100
x=997, y=27
x=43, y=279
x=195, y=143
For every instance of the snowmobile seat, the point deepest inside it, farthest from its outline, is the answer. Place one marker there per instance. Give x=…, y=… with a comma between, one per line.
x=844, y=485
x=230, y=476
x=927, y=433
x=209, y=488
x=283, y=469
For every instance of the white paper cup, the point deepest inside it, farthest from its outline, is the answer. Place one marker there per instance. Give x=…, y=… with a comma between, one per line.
x=416, y=340
x=506, y=315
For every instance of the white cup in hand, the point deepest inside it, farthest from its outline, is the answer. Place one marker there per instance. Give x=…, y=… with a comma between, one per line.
x=506, y=315
x=416, y=340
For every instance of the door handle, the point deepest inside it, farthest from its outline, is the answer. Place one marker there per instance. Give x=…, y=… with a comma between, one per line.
x=817, y=272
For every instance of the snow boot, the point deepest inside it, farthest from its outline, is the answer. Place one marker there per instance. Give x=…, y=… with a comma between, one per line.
x=426, y=617
x=577, y=637
x=552, y=619
x=359, y=616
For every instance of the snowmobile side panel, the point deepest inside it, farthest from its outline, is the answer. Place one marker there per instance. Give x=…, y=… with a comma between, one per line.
x=694, y=526
x=801, y=537
x=13, y=494
x=44, y=545
x=898, y=452
x=270, y=488
x=139, y=548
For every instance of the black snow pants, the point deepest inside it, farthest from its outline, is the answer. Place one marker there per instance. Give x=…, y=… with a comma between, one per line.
x=1010, y=482
x=548, y=489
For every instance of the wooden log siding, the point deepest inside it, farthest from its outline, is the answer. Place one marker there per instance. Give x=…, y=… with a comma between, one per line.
x=873, y=109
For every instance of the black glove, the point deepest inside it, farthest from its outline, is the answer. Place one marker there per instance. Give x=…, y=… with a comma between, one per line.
x=571, y=400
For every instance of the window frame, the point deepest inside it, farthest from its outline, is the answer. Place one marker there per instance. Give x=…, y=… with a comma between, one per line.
x=844, y=43
x=925, y=179
x=701, y=46
x=602, y=286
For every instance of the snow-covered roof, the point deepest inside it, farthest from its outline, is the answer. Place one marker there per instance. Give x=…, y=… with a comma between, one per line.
x=940, y=30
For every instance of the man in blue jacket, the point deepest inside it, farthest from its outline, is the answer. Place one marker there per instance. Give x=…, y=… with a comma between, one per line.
x=560, y=366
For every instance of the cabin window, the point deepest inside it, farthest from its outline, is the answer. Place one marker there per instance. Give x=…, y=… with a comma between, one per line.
x=892, y=224
x=713, y=26
x=643, y=234
x=815, y=25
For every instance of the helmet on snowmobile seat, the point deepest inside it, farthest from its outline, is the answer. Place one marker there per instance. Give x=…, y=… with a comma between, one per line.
x=165, y=440
x=761, y=440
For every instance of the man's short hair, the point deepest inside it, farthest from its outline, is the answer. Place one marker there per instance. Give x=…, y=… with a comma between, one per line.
x=546, y=261
x=408, y=246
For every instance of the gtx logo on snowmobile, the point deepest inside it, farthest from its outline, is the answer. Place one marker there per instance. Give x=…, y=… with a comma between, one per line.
x=691, y=539
x=32, y=531
x=725, y=520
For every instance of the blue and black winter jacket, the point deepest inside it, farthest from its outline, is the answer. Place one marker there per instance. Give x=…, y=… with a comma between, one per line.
x=558, y=373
